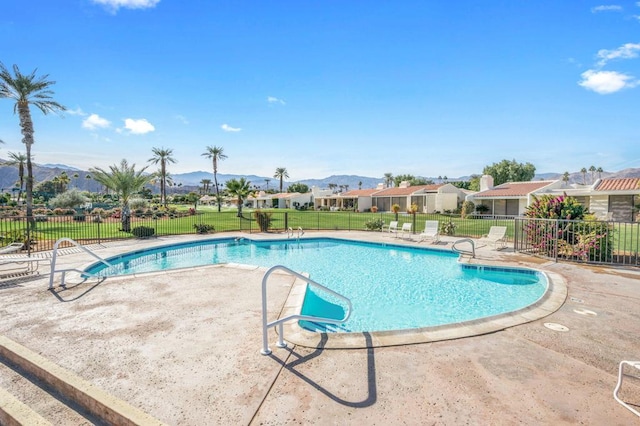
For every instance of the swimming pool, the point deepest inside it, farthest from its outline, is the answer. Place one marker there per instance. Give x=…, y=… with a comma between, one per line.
x=391, y=287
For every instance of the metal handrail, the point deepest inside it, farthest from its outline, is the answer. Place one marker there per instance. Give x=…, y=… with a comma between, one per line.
x=465, y=240
x=290, y=232
x=265, y=326
x=64, y=271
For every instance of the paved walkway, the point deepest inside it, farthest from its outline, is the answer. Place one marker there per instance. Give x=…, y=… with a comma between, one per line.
x=183, y=346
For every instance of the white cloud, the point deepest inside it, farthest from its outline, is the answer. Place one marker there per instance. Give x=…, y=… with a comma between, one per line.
x=626, y=51
x=228, y=128
x=182, y=118
x=94, y=121
x=77, y=111
x=606, y=8
x=138, y=127
x=606, y=82
x=274, y=100
x=114, y=5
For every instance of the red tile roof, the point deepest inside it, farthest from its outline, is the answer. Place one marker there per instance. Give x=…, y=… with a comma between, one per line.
x=514, y=189
x=390, y=192
x=623, y=184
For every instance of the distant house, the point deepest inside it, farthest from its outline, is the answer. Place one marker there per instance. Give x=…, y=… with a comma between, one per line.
x=356, y=199
x=428, y=198
x=610, y=199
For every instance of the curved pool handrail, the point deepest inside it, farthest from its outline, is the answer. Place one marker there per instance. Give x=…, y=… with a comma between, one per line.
x=64, y=271
x=265, y=326
x=465, y=240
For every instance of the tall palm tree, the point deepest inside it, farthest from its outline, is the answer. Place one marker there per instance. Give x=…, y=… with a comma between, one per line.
x=206, y=184
x=215, y=153
x=281, y=173
x=584, y=175
x=25, y=90
x=592, y=169
x=565, y=177
x=359, y=184
x=125, y=181
x=75, y=179
x=388, y=179
x=239, y=188
x=163, y=157
x=63, y=181
x=599, y=170
x=267, y=180
x=18, y=159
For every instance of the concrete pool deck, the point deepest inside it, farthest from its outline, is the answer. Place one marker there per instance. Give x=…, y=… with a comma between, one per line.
x=184, y=347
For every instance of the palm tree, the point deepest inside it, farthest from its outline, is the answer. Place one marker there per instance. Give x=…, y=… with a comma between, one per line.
x=565, y=177
x=25, y=90
x=599, y=170
x=359, y=184
x=125, y=181
x=63, y=181
x=75, y=179
x=592, y=169
x=19, y=160
x=332, y=186
x=281, y=173
x=206, y=183
x=388, y=179
x=162, y=156
x=216, y=154
x=267, y=180
x=240, y=188
x=584, y=175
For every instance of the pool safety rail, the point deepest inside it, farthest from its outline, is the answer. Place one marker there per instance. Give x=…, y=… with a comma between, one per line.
x=472, y=252
x=265, y=326
x=64, y=271
x=291, y=232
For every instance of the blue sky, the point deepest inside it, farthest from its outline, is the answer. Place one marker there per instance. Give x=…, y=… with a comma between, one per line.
x=429, y=88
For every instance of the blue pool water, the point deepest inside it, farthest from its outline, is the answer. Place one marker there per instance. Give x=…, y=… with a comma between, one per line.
x=391, y=287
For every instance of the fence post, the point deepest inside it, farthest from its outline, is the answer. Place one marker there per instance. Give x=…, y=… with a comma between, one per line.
x=286, y=221
x=99, y=222
x=555, y=249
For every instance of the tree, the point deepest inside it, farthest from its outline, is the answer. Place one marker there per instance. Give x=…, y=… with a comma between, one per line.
x=593, y=169
x=125, y=181
x=332, y=187
x=474, y=183
x=298, y=187
x=510, y=171
x=565, y=177
x=216, y=154
x=62, y=181
x=18, y=159
x=584, y=175
x=388, y=179
x=281, y=173
x=69, y=199
x=267, y=180
x=162, y=156
x=239, y=188
x=599, y=170
x=206, y=184
x=26, y=90
x=413, y=181
x=359, y=184
x=75, y=179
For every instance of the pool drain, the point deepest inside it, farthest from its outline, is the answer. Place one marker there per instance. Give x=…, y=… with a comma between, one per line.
x=575, y=299
x=555, y=327
x=585, y=312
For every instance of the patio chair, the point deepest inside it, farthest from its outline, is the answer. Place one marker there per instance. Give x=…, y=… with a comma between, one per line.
x=406, y=230
x=391, y=227
x=497, y=237
x=11, y=248
x=431, y=231
x=635, y=364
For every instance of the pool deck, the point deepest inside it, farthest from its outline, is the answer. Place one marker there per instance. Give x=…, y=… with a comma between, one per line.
x=183, y=347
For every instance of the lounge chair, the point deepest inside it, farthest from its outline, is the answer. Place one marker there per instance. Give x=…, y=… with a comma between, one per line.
x=621, y=374
x=431, y=231
x=406, y=230
x=392, y=227
x=11, y=248
x=496, y=237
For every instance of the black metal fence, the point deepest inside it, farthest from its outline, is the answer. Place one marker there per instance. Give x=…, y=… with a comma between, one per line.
x=593, y=242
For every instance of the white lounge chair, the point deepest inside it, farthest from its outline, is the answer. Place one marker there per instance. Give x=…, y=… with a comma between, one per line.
x=621, y=374
x=406, y=230
x=496, y=237
x=11, y=248
x=431, y=231
x=391, y=227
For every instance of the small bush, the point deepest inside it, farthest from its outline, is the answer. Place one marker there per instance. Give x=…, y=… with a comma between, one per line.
x=374, y=225
x=143, y=231
x=263, y=219
x=203, y=228
x=467, y=209
x=448, y=228
x=374, y=209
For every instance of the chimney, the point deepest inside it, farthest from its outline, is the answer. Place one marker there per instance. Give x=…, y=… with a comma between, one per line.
x=404, y=184
x=381, y=186
x=486, y=182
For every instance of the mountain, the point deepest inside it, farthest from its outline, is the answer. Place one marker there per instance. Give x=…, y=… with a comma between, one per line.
x=191, y=181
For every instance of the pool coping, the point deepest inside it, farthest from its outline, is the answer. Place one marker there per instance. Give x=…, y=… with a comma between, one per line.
x=550, y=302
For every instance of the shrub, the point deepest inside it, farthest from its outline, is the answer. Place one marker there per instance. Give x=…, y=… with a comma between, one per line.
x=467, y=209
x=374, y=225
x=263, y=219
x=203, y=228
x=448, y=228
x=482, y=209
x=374, y=209
x=143, y=231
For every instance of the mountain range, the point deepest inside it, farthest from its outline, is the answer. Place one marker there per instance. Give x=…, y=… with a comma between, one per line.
x=185, y=182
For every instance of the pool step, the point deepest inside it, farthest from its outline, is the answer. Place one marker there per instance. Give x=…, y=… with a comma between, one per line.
x=93, y=405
